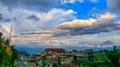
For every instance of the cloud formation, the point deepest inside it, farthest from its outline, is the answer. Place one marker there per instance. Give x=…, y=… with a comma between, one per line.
x=34, y=20
x=21, y=19
x=31, y=27
x=104, y=23
x=71, y=1
x=41, y=5
x=80, y=1
x=75, y=24
x=114, y=5
x=94, y=1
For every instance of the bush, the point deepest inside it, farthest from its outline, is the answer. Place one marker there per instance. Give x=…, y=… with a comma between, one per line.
x=8, y=55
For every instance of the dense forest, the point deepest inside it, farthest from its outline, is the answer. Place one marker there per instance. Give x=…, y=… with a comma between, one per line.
x=8, y=54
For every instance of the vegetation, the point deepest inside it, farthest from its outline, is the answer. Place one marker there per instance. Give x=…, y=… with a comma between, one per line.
x=104, y=58
x=8, y=54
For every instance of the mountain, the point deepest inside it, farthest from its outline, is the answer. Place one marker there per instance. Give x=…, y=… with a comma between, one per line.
x=108, y=42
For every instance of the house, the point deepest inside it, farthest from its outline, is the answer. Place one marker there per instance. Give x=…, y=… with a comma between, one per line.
x=36, y=56
x=58, y=50
x=85, y=56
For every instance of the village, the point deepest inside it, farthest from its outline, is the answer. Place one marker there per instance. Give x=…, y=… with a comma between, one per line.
x=58, y=57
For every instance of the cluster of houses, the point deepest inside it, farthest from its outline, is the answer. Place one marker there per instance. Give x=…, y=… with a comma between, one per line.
x=59, y=56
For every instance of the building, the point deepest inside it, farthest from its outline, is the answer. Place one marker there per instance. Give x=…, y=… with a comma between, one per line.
x=85, y=56
x=58, y=50
x=90, y=55
x=36, y=55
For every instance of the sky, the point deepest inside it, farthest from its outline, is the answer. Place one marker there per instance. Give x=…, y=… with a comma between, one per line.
x=61, y=23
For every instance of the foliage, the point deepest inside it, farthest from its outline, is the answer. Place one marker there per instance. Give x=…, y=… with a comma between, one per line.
x=59, y=61
x=76, y=62
x=104, y=58
x=8, y=54
x=45, y=62
x=112, y=59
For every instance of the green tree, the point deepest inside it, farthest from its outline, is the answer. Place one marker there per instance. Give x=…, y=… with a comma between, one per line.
x=59, y=61
x=114, y=57
x=45, y=62
x=8, y=54
x=14, y=56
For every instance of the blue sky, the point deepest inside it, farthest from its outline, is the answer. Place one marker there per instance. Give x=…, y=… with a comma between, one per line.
x=85, y=9
x=61, y=23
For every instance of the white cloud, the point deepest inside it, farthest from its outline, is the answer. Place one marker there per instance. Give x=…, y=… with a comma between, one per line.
x=106, y=19
x=94, y=1
x=24, y=25
x=46, y=37
x=31, y=33
x=71, y=1
x=103, y=20
x=53, y=38
x=77, y=24
x=80, y=1
x=19, y=19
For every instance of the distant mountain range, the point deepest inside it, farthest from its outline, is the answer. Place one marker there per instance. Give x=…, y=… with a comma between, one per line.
x=108, y=42
x=68, y=48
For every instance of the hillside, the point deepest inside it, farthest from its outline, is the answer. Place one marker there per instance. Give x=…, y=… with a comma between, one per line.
x=8, y=54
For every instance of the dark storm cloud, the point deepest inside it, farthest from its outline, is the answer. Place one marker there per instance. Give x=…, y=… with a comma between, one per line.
x=42, y=5
x=114, y=5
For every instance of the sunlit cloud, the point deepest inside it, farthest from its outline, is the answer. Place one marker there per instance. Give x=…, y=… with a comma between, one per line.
x=104, y=23
x=60, y=23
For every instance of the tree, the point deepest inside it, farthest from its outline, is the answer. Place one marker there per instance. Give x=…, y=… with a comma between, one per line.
x=8, y=54
x=114, y=57
x=1, y=34
x=14, y=55
x=59, y=61
x=1, y=17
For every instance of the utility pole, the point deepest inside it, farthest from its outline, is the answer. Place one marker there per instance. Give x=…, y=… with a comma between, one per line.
x=1, y=17
x=10, y=33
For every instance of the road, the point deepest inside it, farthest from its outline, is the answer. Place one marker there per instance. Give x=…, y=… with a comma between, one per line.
x=25, y=64
x=21, y=64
